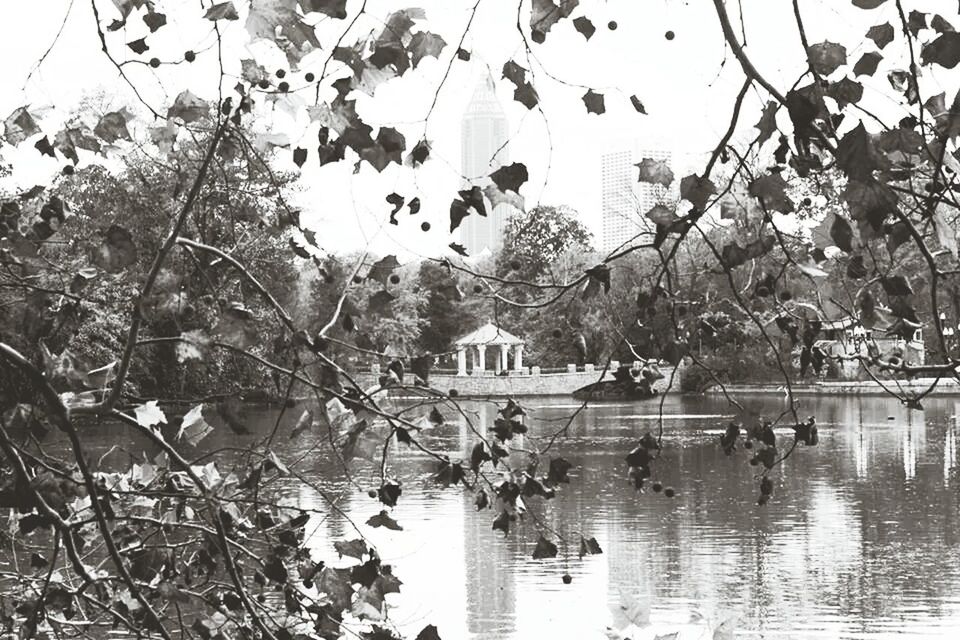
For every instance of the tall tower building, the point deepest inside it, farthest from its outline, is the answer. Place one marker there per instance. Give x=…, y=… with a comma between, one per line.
x=484, y=132
x=624, y=200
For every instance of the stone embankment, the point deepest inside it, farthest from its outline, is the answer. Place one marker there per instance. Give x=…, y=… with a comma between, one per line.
x=530, y=382
x=847, y=387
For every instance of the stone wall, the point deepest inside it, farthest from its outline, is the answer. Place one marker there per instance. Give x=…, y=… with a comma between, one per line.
x=529, y=383
x=945, y=387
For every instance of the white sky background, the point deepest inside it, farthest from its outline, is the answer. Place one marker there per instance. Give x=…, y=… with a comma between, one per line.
x=685, y=84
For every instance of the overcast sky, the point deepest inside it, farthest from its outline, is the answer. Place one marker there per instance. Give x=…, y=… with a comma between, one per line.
x=687, y=84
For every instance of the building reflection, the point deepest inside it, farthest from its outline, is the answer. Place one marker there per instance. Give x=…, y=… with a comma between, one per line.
x=950, y=444
x=489, y=565
x=857, y=533
x=909, y=445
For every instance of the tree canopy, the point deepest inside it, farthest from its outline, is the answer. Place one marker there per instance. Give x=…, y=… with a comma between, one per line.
x=164, y=251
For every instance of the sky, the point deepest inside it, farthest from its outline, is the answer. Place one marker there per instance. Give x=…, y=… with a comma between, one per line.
x=686, y=83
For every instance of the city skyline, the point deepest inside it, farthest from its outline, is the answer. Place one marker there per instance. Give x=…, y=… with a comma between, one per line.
x=484, y=147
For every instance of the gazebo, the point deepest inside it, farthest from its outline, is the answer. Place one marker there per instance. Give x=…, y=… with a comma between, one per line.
x=489, y=335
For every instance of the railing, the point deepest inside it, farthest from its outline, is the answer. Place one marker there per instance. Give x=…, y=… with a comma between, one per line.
x=527, y=370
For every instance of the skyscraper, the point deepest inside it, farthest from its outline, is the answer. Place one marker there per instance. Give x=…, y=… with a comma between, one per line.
x=624, y=200
x=483, y=138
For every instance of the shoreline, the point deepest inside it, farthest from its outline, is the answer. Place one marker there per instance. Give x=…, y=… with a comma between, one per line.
x=945, y=387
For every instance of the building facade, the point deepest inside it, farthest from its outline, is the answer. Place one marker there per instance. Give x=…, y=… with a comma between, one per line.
x=624, y=200
x=484, y=134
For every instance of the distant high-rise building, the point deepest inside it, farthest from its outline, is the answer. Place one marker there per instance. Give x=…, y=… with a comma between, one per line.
x=624, y=200
x=483, y=136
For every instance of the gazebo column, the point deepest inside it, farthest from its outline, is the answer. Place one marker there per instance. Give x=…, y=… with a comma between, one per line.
x=504, y=357
x=481, y=358
x=518, y=357
x=461, y=361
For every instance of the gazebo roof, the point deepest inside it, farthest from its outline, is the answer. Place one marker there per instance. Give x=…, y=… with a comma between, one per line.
x=488, y=334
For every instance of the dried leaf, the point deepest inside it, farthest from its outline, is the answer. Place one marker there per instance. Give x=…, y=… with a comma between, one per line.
x=383, y=519
x=19, y=126
x=154, y=20
x=594, y=102
x=584, y=26
x=524, y=93
x=881, y=34
x=510, y=178
x=546, y=13
x=826, y=57
x=589, y=546
x=842, y=234
x=867, y=64
x=770, y=190
x=138, y=46
x=353, y=549
x=661, y=215
x=544, y=549
x=383, y=268
x=188, y=107
x=149, y=414
x=768, y=122
x=333, y=8
x=697, y=190
x=112, y=127
x=425, y=44
x=194, y=428
x=299, y=156
x=944, y=51
x=655, y=172
x=222, y=11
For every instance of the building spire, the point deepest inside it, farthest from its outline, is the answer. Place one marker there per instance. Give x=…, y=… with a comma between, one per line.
x=484, y=101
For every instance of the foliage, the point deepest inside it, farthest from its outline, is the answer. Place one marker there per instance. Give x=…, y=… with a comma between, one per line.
x=540, y=236
x=164, y=275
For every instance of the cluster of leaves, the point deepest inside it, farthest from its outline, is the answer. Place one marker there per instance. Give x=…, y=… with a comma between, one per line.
x=209, y=276
x=761, y=439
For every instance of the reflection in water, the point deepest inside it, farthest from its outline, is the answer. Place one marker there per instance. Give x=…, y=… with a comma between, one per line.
x=950, y=444
x=860, y=540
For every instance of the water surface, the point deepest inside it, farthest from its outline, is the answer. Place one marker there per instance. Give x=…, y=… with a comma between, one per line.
x=861, y=539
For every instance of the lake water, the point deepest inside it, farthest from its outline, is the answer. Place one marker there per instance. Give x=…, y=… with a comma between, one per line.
x=860, y=540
